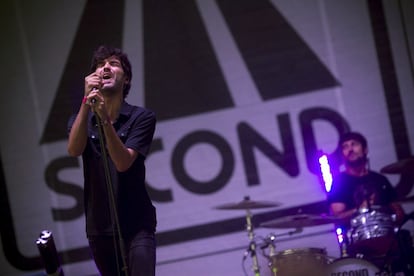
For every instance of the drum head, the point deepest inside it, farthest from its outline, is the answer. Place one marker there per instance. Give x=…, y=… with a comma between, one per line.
x=302, y=251
x=352, y=266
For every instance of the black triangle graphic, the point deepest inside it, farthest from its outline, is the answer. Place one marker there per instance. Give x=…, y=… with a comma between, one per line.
x=279, y=61
x=182, y=75
x=101, y=23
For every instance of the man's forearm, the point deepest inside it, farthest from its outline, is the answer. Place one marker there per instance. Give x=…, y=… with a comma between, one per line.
x=79, y=132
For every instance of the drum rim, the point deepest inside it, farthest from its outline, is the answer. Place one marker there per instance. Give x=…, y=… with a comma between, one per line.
x=307, y=250
x=359, y=260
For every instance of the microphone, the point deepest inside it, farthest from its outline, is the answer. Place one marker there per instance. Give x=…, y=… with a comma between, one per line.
x=94, y=89
x=47, y=249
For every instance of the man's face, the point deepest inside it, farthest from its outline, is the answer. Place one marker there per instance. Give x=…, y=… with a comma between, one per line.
x=112, y=74
x=353, y=152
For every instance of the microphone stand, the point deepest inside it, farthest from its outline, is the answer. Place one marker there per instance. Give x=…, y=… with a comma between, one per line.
x=112, y=202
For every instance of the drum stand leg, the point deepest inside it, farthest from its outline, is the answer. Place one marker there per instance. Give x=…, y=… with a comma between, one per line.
x=252, y=245
x=272, y=252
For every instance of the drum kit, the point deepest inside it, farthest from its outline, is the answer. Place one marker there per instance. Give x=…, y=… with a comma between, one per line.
x=372, y=233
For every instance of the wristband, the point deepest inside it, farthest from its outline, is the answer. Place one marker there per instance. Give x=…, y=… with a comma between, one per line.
x=84, y=100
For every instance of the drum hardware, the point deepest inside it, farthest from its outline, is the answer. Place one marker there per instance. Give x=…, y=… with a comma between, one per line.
x=270, y=243
x=270, y=240
x=247, y=204
x=252, y=244
x=341, y=237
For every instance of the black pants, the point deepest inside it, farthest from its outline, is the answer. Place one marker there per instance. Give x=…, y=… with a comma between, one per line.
x=139, y=253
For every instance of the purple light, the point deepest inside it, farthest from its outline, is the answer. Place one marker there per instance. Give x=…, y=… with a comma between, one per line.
x=340, y=236
x=326, y=172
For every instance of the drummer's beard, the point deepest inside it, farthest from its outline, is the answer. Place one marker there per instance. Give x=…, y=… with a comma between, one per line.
x=357, y=163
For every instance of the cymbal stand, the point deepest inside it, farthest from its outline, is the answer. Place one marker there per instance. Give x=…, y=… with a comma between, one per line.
x=252, y=244
x=272, y=252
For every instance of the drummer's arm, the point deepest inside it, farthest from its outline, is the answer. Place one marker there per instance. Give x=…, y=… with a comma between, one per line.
x=338, y=209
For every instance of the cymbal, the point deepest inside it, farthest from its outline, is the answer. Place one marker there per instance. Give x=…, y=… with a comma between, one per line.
x=299, y=221
x=402, y=166
x=246, y=204
x=407, y=199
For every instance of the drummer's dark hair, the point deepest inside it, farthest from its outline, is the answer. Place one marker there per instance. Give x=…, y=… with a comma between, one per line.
x=353, y=136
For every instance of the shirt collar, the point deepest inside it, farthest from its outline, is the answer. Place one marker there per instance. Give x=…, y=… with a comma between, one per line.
x=124, y=113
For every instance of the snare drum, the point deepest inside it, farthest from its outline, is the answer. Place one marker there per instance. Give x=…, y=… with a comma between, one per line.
x=372, y=232
x=302, y=261
x=351, y=266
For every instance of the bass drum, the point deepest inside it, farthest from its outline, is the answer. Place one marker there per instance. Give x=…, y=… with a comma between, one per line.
x=352, y=266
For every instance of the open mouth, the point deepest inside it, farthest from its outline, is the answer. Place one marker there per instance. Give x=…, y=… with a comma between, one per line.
x=106, y=76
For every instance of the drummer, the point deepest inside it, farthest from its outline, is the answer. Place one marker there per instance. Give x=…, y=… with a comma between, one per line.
x=358, y=187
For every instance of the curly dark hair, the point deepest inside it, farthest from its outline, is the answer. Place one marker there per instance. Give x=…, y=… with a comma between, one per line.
x=103, y=52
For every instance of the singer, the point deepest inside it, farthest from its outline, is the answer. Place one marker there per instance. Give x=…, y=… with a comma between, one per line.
x=120, y=221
